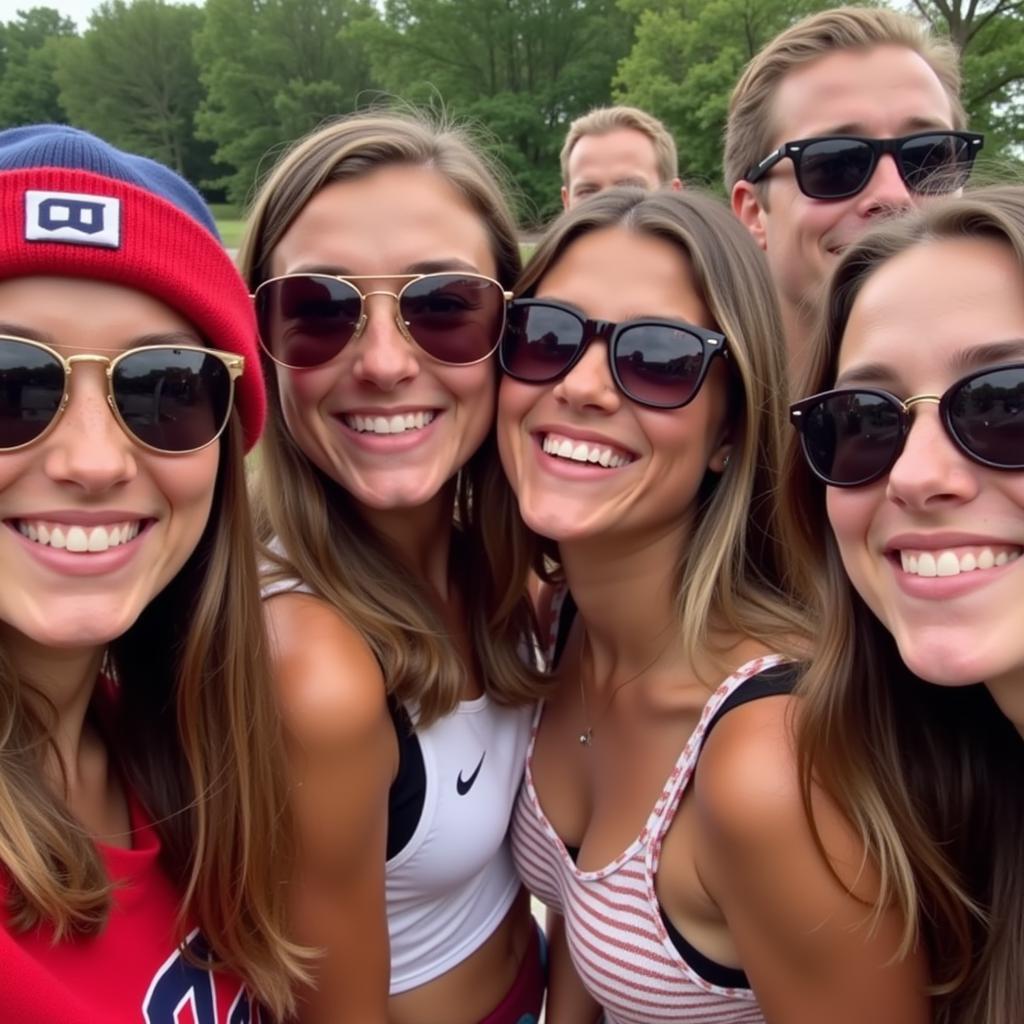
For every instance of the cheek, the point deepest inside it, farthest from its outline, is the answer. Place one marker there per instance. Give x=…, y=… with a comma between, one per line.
x=515, y=401
x=187, y=484
x=851, y=514
x=301, y=393
x=475, y=391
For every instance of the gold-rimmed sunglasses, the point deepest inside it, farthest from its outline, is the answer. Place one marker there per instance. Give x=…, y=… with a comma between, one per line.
x=455, y=317
x=171, y=399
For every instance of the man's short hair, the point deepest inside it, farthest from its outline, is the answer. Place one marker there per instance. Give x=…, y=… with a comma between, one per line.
x=750, y=129
x=610, y=119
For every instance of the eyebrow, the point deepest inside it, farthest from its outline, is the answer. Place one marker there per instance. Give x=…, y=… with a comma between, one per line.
x=963, y=361
x=434, y=266
x=172, y=337
x=909, y=127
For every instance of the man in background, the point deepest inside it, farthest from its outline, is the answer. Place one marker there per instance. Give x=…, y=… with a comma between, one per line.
x=849, y=72
x=616, y=146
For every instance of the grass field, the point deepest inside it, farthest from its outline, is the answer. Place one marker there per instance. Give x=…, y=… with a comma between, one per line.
x=229, y=223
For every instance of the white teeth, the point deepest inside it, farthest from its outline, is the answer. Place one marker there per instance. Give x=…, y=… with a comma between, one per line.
x=79, y=538
x=579, y=451
x=397, y=424
x=950, y=563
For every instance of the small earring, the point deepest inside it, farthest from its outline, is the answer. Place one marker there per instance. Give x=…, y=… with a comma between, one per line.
x=725, y=463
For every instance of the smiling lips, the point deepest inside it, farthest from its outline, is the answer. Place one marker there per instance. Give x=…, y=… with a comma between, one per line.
x=79, y=539
x=561, y=447
x=953, y=562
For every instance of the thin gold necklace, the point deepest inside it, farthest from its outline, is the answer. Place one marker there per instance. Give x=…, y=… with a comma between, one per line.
x=587, y=736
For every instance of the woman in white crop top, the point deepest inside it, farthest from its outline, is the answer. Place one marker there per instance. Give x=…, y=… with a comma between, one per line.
x=379, y=252
x=661, y=819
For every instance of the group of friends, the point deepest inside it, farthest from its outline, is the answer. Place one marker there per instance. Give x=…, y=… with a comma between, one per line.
x=670, y=579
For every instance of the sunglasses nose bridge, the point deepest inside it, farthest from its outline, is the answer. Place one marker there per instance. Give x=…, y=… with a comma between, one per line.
x=921, y=399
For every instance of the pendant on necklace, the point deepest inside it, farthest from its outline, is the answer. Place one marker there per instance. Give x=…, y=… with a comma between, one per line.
x=585, y=737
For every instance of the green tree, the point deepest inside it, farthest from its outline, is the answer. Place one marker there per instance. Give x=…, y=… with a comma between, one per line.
x=522, y=69
x=28, y=56
x=990, y=36
x=687, y=57
x=274, y=69
x=132, y=79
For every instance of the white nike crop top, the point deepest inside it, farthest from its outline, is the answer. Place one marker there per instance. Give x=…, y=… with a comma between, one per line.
x=452, y=882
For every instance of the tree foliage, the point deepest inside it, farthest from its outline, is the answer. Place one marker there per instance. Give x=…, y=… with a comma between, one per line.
x=132, y=78
x=274, y=69
x=28, y=56
x=521, y=68
x=686, y=59
x=990, y=36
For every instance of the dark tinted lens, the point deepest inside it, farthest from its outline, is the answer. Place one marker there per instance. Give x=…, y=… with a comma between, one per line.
x=935, y=164
x=539, y=341
x=454, y=318
x=174, y=400
x=657, y=364
x=306, y=320
x=986, y=413
x=834, y=168
x=852, y=437
x=31, y=388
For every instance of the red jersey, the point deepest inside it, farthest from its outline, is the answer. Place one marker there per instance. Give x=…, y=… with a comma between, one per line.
x=133, y=971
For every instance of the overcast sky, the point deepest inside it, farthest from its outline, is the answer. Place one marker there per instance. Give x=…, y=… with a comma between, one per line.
x=78, y=10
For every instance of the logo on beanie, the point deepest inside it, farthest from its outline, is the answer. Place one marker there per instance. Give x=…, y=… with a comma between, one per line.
x=74, y=218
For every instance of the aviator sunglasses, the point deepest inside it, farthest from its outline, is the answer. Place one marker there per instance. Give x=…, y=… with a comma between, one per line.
x=171, y=399
x=658, y=363
x=839, y=166
x=853, y=436
x=305, y=320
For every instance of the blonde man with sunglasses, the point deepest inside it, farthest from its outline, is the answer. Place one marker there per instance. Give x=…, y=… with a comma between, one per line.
x=850, y=116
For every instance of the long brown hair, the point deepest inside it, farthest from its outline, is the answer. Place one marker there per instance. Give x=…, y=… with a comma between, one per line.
x=323, y=538
x=929, y=774
x=190, y=723
x=732, y=575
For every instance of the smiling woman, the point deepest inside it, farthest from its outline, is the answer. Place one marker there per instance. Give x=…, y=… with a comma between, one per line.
x=661, y=819
x=138, y=738
x=914, y=457
x=380, y=250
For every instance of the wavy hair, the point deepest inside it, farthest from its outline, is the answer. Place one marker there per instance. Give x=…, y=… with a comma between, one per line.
x=323, y=538
x=930, y=775
x=732, y=575
x=189, y=720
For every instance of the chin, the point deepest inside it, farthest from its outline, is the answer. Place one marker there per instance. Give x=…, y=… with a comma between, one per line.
x=945, y=667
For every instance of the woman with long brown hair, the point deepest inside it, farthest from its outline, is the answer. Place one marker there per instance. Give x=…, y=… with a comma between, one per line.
x=380, y=250
x=640, y=424
x=906, y=493
x=142, y=856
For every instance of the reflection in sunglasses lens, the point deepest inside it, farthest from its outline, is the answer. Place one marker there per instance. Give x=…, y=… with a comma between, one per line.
x=31, y=388
x=852, y=437
x=171, y=399
x=657, y=364
x=987, y=415
x=454, y=318
x=539, y=341
x=831, y=168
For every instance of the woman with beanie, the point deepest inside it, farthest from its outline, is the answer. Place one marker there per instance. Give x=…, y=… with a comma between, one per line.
x=380, y=250
x=141, y=842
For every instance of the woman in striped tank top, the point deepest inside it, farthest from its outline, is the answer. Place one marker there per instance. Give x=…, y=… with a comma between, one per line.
x=661, y=819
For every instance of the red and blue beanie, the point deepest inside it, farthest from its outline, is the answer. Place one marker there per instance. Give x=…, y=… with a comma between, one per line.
x=71, y=205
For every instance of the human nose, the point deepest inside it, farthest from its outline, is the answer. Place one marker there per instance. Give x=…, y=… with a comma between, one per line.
x=87, y=447
x=589, y=384
x=931, y=472
x=385, y=355
x=886, y=190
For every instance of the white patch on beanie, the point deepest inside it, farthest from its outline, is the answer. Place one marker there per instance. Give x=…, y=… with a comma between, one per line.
x=73, y=217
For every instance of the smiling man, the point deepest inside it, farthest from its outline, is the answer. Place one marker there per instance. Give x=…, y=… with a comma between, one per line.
x=847, y=117
x=616, y=146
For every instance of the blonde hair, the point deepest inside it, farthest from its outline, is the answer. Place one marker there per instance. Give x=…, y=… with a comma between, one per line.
x=608, y=119
x=189, y=721
x=751, y=129
x=929, y=774
x=732, y=576
x=328, y=544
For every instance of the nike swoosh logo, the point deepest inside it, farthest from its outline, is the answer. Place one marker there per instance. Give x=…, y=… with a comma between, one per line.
x=465, y=785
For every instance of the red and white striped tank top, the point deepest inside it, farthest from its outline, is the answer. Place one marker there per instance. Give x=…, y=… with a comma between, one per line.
x=614, y=929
